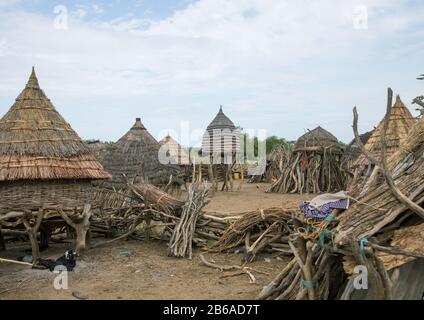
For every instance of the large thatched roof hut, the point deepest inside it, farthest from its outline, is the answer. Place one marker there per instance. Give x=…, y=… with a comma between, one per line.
x=314, y=165
x=400, y=122
x=175, y=150
x=43, y=162
x=222, y=137
x=136, y=155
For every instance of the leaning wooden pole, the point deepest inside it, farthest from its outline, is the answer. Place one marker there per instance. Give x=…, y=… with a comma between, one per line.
x=2, y=242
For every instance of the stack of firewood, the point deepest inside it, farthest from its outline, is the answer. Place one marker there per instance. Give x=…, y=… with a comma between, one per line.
x=380, y=231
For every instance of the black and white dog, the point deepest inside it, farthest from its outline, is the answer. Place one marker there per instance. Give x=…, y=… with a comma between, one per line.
x=68, y=260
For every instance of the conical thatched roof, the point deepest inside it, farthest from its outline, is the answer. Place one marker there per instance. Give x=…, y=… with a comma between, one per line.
x=400, y=122
x=318, y=138
x=221, y=136
x=36, y=143
x=175, y=150
x=379, y=208
x=136, y=154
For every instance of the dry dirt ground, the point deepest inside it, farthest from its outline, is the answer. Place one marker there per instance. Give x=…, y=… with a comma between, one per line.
x=142, y=270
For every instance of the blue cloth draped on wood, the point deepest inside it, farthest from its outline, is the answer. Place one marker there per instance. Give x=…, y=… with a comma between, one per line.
x=324, y=210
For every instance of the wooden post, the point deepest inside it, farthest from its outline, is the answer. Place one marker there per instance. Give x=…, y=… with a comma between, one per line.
x=225, y=172
x=242, y=177
x=2, y=242
x=193, y=178
x=200, y=172
x=45, y=234
x=81, y=226
x=32, y=233
x=230, y=177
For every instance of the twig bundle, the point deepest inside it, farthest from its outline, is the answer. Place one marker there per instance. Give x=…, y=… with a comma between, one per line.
x=181, y=241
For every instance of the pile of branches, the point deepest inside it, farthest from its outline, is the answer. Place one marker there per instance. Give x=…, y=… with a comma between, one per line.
x=310, y=171
x=261, y=230
x=363, y=235
x=180, y=244
x=276, y=161
x=180, y=223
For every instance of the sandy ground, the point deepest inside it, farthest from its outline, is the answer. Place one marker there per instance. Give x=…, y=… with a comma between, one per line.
x=251, y=197
x=107, y=273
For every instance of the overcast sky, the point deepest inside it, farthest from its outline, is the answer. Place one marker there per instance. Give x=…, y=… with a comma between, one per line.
x=281, y=65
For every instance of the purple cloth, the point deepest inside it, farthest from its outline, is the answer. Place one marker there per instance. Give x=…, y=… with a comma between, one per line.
x=323, y=211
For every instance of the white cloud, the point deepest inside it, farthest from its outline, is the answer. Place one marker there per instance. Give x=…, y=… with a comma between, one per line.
x=301, y=63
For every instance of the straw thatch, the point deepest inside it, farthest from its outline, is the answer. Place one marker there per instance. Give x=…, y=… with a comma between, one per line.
x=42, y=159
x=378, y=206
x=400, y=122
x=381, y=231
x=98, y=148
x=221, y=136
x=318, y=140
x=36, y=143
x=136, y=155
x=313, y=165
x=175, y=150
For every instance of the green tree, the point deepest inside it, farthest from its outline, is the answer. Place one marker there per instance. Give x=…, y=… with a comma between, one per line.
x=273, y=141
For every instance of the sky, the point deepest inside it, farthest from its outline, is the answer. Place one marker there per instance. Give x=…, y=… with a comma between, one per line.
x=281, y=65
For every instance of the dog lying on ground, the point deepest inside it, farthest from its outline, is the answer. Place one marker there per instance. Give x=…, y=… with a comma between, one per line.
x=68, y=260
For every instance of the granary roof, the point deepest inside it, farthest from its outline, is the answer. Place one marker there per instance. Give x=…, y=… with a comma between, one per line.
x=221, y=136
x=318, y=137
x=400, y=122
x=36, y=143
x=138, y=133
x=378, y=207
x=221, y=121
x=136, y=154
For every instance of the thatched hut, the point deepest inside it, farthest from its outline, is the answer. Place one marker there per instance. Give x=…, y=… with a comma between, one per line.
x=400, y=122
x=221, y=145
x=376, y=244
x=135, y=156
x=175, y=150
x=43, y=162
x=221, y=139
x=379, y=217
x=314, y=165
